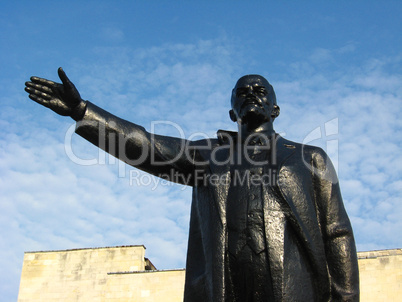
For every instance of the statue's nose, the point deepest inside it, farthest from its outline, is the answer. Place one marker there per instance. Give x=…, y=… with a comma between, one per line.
x=250, y=93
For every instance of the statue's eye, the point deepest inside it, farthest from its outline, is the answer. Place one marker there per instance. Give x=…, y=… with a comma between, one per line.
x=241, y=93
x=261, y=92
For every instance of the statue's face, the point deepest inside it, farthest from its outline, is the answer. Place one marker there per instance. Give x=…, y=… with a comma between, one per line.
x=253, y=100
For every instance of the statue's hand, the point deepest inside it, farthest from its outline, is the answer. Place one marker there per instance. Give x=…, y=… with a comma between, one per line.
x=63, y=99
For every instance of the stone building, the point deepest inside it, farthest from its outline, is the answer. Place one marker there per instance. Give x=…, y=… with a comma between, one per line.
x=380, y=275
x=119, y=273
x=124, y=274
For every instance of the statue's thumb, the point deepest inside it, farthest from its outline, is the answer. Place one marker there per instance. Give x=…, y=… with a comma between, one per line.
x=63, y=77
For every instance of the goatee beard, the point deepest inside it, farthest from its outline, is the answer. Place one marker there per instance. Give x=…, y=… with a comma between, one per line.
x=254, y=118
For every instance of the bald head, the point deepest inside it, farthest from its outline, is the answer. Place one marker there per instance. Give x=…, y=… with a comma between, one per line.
x=253, y=101
x=255, y=80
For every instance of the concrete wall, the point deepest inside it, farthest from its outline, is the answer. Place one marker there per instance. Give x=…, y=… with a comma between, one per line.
x=124, y=274
x=149, y=286
x=380, y=275
x=97, y=275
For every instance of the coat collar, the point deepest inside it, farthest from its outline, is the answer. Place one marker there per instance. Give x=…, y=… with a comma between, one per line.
x=283, y=148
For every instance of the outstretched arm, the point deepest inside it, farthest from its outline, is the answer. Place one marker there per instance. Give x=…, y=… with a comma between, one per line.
x=127, y=141
x=64, y=99
x=171, y=158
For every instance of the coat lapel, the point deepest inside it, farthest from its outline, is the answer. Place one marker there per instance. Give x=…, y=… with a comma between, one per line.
x=294, y=209
x=275, y=213
x=219, y=180
x=299, y=210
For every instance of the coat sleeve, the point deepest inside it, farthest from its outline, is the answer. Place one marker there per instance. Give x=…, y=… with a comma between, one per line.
x=337, y=232
x=170, y=158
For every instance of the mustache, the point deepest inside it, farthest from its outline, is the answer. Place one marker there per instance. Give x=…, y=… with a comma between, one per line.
x=251, y=100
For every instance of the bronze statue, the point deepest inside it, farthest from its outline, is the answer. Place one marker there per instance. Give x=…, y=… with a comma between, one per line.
x=267, y=217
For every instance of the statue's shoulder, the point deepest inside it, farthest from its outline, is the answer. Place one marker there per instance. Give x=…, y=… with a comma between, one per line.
x=316, y=153
x=225, y=137
x=304, y=150
x=204, y=143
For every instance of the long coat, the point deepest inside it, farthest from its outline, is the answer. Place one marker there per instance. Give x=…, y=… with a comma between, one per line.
x=312, y=205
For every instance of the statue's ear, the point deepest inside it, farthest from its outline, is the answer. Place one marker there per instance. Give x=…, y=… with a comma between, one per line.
x=275, y=111
x=232, y=115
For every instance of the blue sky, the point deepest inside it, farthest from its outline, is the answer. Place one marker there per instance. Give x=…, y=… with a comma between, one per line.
x=171, y=65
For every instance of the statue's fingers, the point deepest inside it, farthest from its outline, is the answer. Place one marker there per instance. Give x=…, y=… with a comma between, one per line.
x=39, y=100
x=38, y=93
x=42, y=81
x=39, y=87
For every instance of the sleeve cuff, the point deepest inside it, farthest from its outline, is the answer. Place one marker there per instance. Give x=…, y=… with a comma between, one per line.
x=79, y=111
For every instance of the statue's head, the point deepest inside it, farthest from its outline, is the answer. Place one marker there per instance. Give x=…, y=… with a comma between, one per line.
x=253, y=101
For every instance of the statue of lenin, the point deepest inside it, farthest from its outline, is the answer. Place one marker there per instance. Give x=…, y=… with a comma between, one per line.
x=267, y=218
